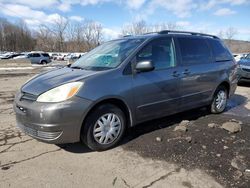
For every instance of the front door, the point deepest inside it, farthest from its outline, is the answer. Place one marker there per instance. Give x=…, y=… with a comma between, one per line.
x=156, y=93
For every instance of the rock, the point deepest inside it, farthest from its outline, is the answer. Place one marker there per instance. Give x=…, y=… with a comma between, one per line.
x=211, y=125
x=225, y=147
x=231, y=127
x=247, y=173
x=204, y=147
x=158, y=139
x=184, y=123
x=189, y=139
x=233, y=136
x=180, y=128
x=241, y=141
x=237, y=175
x=239, y=163
x=233, y=120
x=218, y=155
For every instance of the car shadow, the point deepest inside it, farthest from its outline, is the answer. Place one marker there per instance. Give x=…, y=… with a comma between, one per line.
x=161, y=123
x=244, y=84
x=150, y=126
x=235, y=101
x=75, y=148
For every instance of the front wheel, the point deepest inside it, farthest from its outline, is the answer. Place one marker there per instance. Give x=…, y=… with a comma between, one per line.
x=104, y=127
x=219, y=102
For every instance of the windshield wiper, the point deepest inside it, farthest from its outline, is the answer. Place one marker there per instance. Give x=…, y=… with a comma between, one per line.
x=77, y=67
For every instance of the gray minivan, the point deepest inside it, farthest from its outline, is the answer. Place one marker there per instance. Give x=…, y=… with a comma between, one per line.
x=125, y=82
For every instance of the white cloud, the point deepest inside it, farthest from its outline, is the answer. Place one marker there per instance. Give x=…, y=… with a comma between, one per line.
x=180, y=8
x=33, y=3
x=110, y=34
x=32, y=17
x=76, y=18
x=51, y=18
x=213, y=3
x=135, y=4
x=21, y=11
x=224, y=12
x=183, y=23
x=65, y=7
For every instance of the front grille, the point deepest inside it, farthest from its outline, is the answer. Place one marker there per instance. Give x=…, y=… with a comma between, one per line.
x=39, y=134
x=247, y=70
x=28, y=96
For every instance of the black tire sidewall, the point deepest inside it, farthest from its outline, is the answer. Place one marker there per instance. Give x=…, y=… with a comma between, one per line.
x=87, y=132
x=213, y=108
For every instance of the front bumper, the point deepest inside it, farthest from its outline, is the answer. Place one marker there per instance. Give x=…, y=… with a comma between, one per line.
x=55, y=123
x=244, y=74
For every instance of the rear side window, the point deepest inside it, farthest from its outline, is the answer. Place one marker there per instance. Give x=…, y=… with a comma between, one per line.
x=45, y=55
x=194, y=50
x=220, y=52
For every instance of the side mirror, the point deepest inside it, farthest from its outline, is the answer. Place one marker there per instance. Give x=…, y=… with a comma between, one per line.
x=144, y=66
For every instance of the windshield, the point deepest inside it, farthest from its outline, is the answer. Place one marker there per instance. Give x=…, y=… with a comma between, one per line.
x=248, y=56
x=108, y=55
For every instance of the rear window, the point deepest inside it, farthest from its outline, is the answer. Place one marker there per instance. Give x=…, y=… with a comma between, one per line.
x=220, y=52
x=45, y=55
x=194, y=50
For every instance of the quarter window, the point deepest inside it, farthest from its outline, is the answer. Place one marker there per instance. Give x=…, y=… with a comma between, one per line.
x=194, y=50
x=220, y=52
x=160, y=52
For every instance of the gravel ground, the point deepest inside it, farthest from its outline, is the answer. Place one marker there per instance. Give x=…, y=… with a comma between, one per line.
x=151, y=155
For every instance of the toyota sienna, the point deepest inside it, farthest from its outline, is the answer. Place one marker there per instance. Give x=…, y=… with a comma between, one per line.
x=124, y=82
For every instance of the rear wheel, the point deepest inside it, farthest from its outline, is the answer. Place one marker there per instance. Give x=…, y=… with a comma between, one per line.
x=219, y=102
x=43, y=62
x=104, y=127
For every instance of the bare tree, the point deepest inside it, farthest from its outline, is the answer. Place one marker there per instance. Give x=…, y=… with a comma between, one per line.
x=164, y=26
x=135, y=28
x=45, y=39
x=92, y=32
x=58, y=29
x=15, y=37
x=230, y=33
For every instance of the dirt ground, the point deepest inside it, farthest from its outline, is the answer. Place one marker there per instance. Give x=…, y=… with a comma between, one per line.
x=151, y=154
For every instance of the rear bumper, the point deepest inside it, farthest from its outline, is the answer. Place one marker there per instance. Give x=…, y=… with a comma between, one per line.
x=55, y=123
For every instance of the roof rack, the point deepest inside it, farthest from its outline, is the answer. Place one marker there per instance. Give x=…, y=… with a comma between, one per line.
x=187, y=32
x=127, y=35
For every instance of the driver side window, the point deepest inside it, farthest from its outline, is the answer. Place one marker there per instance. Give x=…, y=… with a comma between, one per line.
x=160, y=52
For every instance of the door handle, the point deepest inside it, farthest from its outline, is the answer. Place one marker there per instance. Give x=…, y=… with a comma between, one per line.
x=186, y=72
x=175, y=74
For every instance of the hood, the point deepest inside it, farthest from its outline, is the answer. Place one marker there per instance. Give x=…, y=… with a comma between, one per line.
x=51, y=79
x=244, y=62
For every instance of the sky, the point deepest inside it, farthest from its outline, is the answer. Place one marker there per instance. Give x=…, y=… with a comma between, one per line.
x=211, y=16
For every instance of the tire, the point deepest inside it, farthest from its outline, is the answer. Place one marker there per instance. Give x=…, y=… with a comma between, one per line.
x=94, y=127
x=218, y=104
x=43, y=62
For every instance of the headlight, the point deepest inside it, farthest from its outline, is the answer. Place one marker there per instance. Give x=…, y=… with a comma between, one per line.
x=60, y=93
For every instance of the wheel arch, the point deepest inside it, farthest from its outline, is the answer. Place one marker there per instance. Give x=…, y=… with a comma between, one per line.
x=225, y=84
x=114, y=101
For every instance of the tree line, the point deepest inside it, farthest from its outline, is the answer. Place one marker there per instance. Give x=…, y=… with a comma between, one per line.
x=65, y=35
